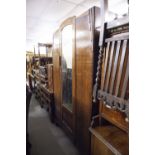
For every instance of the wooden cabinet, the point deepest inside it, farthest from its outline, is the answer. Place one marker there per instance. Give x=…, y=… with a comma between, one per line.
x=75, y=52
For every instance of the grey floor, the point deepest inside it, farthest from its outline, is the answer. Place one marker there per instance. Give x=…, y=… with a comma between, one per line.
x=47, y=138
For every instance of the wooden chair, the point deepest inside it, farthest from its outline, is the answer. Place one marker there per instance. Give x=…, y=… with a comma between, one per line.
x=110, y=132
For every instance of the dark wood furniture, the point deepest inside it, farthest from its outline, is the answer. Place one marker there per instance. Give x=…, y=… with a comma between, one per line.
x=109, y=129
x=75, y=118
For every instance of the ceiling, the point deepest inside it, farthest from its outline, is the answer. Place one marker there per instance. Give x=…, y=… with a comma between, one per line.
x=44, y=16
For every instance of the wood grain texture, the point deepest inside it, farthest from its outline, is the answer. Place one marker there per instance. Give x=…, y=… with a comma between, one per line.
x=110, y=65
x=104, y=68
x=68, y=123
x=57, y=76
x=109, y=140
x=118, y=79
x=86, y=41
x=115, y=65
x=121, y=66
x=99, y=148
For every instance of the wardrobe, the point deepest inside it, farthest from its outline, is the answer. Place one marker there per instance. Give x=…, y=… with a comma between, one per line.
x=75, y=54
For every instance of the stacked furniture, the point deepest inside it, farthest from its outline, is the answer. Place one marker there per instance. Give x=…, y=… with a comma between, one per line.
x=29, y=69
x=44, y=81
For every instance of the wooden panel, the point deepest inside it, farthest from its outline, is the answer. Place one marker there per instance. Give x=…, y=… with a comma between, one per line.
x=109, y=140
x=115, y=117
x=98, y=148
x=67, y=118
x=125, y=81
x=57, y=76
x=83, y=79
x=110, y=65
x=105, y=64
x=85, y=51
x=121, y=66
x=115, y=66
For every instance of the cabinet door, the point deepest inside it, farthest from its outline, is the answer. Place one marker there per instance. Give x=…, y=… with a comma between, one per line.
x=67, y=43
x=56, y=76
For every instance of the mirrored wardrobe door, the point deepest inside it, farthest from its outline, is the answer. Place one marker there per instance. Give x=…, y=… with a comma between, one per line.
x=66, y=65
x=67, y=59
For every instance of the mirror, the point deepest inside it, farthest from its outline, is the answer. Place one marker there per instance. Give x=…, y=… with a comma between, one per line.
x=66, y=64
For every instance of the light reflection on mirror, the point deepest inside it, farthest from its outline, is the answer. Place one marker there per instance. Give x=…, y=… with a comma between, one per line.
x=67, y=66
x=67, y=45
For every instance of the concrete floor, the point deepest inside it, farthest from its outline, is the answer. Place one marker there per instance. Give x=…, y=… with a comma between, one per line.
x=47, y=138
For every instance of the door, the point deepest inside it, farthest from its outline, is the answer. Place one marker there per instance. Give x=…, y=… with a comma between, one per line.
x=67, y=52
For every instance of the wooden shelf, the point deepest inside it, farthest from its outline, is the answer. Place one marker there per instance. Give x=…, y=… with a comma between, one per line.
x=44, y=95
x=46, y=89
x=113, y=138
